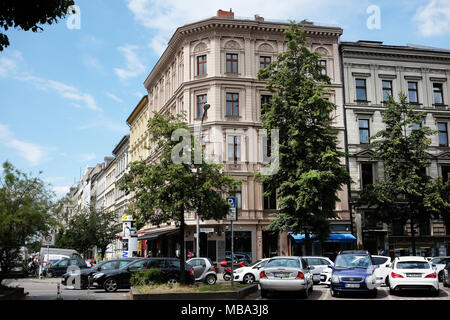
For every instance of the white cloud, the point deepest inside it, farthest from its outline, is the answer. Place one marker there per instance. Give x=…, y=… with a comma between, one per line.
x=134, y=65
x=33, y=153
x=88, y=156
x=113, y=97
x=61, y=191
x=164, y=17
x=9, y=68
x=434, y=18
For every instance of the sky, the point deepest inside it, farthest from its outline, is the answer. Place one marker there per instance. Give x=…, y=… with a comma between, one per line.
x=66, y=92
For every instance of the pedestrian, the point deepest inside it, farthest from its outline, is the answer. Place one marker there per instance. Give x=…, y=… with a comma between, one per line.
x=190, y=254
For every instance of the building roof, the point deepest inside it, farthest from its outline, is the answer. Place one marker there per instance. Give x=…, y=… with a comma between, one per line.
x=122, y=142
x=141, y=104
x=224, y=22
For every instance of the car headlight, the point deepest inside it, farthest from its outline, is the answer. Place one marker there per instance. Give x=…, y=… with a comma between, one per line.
x=98, y=275
x=335, y=279
x=239, y=270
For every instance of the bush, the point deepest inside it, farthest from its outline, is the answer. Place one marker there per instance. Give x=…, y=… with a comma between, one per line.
x=148, y=277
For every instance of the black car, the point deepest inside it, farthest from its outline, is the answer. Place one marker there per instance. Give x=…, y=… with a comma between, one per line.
x=112, y=280
x=85, y=274
x=60, y=267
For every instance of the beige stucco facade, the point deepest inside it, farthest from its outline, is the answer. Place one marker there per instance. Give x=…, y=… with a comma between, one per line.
x=175, y=84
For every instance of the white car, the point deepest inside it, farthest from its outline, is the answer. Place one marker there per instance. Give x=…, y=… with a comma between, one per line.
x=325, y=276
x=319, y=264
x=383, y=269
x=413, y=273
x=250, y=273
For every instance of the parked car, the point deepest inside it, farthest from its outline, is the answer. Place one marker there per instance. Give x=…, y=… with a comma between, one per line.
x=319, y=263
x=384, y=268
x=446, y=281
x=250, y=273
x=440, y=263
x=204, y=270
x=85, y=274
x=292, y=274
x=111, y=280
x=325, y=276
x=413, y=273
x=239, y=257
x=353, y=271
x=60, y=267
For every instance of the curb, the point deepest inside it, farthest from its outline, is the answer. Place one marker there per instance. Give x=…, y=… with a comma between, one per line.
x=219, y=295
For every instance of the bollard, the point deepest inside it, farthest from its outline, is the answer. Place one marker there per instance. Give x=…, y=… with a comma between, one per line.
x=58, y=291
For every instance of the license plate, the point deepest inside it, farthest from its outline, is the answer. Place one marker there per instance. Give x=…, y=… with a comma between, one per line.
x=414, y=275
x=280, y=275
x=322, y=278
x=351, y=285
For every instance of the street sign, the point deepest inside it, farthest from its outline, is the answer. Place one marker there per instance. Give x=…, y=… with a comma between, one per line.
x=232, y=214
x=49, y=240
x=207, y=230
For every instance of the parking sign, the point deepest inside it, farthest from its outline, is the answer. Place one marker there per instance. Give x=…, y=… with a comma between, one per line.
x=232, y=214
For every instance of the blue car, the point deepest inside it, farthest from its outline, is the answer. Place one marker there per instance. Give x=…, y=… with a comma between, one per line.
x=353, y=271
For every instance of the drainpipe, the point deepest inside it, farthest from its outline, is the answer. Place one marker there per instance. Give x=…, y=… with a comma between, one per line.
x=347, y=165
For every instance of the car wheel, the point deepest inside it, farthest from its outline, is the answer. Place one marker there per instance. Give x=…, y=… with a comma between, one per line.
x=304, y=294
x=441, y=276
x=226, y=277
x=334, y=293
x=110, y=285
x=172, y=281
x=210, y=279
x=248, y=278
x=264, y=293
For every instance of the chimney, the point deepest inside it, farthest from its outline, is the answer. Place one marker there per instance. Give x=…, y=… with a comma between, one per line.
x=225, y=14
x=258, y=18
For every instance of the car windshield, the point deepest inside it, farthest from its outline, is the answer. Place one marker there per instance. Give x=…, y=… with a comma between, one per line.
x=254, y=263
x=413, y=265
x=436, y=260
x=349, y=261
x=289, y=263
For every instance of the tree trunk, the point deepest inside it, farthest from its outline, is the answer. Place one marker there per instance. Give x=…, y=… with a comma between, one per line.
x=181, y=239
x=308, y=244
x=413, y=237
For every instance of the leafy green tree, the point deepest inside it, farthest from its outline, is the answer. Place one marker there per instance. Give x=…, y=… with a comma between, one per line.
x=29, y=15
x=165, y=189
x=310, y=169
x=90, y=228
x=25, y=214
x=406, y=193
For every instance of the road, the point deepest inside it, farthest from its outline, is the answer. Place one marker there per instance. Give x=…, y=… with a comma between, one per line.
x=322, y=292
x=46, y=289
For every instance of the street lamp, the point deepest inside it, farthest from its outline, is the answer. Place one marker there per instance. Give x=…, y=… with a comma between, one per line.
x=206, y=106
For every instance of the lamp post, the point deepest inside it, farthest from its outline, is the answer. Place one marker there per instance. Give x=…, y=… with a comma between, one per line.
x=204, y=111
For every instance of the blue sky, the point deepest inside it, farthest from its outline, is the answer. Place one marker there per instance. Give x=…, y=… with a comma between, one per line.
x=65, y=94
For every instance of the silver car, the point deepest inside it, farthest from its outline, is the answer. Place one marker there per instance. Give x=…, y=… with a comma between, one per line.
x=286, y=274
x=204, y=270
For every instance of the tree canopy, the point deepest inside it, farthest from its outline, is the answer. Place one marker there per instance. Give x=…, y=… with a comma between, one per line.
x=310, y=169
x=30, y=15
x=165, y=189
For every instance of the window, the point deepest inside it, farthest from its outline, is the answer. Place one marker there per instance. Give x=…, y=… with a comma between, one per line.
x=233, y=104
x=264, y=62
x=201, y=100
x=366, y=174
x=424, y=228
x=364, y=133
x=387, y=89
x=234, y=148
x=270, y=202
x=445, y=172
x=201, y=65
x=361, y=93
x=323, y=65
x=379, y=260
x=438, y=93
x=173, y=264
x=442, y=134
x=398, y=228
x=265, y=102
x=109, y=265
x=123, y=263
x=412, y=92
x=232, y=62
x=156, y=263
x=416, y=126
x=139, y=265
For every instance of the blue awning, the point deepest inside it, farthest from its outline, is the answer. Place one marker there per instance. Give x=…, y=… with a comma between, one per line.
x=333, y=237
